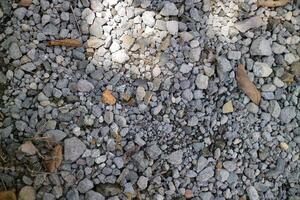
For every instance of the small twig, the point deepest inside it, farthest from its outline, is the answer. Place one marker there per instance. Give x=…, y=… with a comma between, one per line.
x=75, y=20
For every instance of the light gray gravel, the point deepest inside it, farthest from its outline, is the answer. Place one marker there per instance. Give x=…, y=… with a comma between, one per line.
x=170, y=66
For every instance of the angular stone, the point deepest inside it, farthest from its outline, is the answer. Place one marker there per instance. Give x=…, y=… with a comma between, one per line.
x=28, y=67
x=169, y=9
x=261, y=47
x=175, y=158
x=55, y=135
x=202, y=81
x=84, y=86
x=262, y=69
x=250, y=23
x=120, y=56
x=85, y=185
x=287, y=114
x=73, y=149
x=227, y=107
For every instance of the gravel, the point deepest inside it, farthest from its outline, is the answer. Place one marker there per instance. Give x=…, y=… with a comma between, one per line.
x=180, y=128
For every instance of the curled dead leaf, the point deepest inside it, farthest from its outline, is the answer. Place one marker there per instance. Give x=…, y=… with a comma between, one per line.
x=8, y=195
x=25, y=3
x=28, y=148
x=246, y=85
x=272, y=3
x=65, y=42
x=53, y=161
x=108, y=98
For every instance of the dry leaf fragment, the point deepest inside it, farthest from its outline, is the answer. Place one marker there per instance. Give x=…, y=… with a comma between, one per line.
x=272, y=3
x=8, y=195
x=246, y=85
x=25, y=2
x=28, y=148
x=53, y=161
x=65, y=42
x=108, y=98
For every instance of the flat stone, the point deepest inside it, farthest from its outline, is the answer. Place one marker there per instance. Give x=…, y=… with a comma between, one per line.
x=202, y=81
x=85, y=185
x=120, y=56
x=227, y=107
x=229, y=165
x=206, y=174
x=20, y=13
x=175, y=158
x=250, y=23
x=73, y=149
x=108, y=117
x=234, y=55
x=172, y=27
x=14, y=51
x=287, y=114
x=143, y=182
x=27, y=193
x=153, y=151
x=262, y=69
x=169, y=9
x=201, y=163
x=278, y=48
x=148, y=18
x=50, y=29
x=55, y=135
x=252, y=193
x=127, y=41
x=28, y=67
x=84, y=86
x=92, y=195
x=274, y=109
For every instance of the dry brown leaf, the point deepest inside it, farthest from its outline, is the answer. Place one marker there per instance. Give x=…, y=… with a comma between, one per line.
x=108, y=98
x=25, y=2
x=246, y=85
x=53, y=161
x=8, y=195
x=65, y=42
x=272, y=3
x=28, y=148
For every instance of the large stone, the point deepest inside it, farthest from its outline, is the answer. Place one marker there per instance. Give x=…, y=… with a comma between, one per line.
x=169, y=9
x=73, y=149
x=120, y=56
x=55, y=135
x=14, y=51
x=262, y=69
x=261, y=47
x=287, y=114
x=175, y=158
x=148, y=18
x=172, y=27
x=84, y=86
x=28, y=67
x=206, y=174
x=202, y=81
x=252, y=22
x=252, y=193
x=50, y=29
x=92, y=195
x=27, y=193
x=85, y=185
x=274, y=109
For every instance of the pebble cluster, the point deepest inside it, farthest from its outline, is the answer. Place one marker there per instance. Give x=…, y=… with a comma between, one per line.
x=179, y=126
